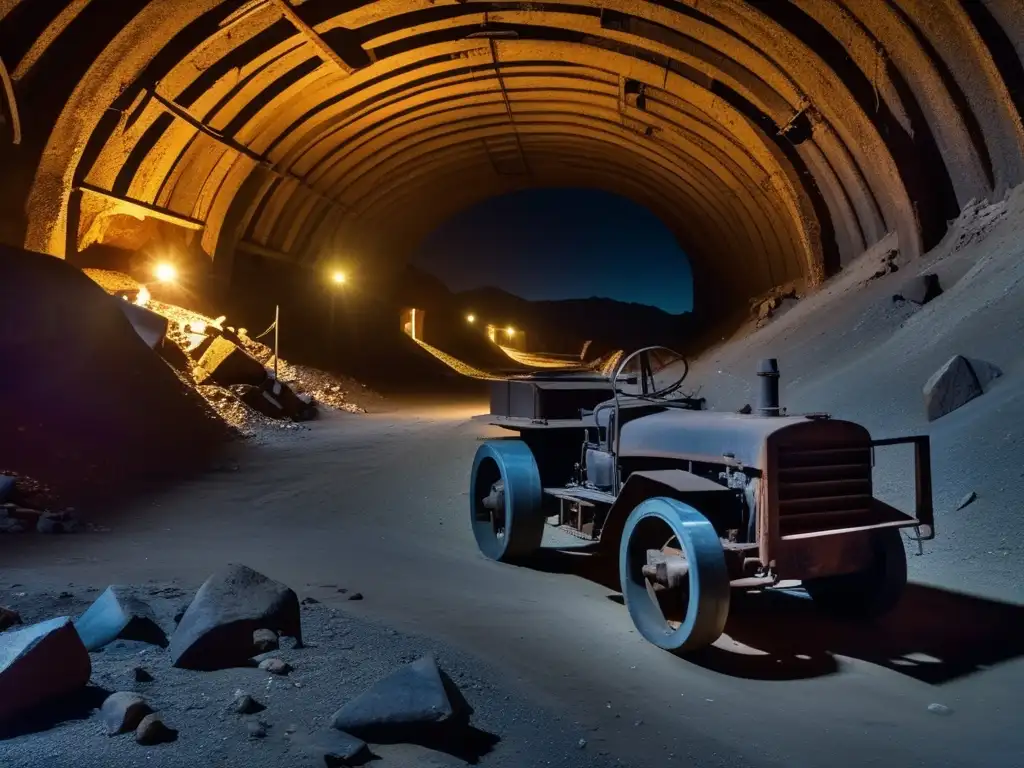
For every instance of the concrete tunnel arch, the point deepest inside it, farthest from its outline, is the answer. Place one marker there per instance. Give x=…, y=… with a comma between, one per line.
x=776, y=140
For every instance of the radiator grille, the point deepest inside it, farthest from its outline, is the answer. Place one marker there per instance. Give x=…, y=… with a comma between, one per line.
x=822, y=488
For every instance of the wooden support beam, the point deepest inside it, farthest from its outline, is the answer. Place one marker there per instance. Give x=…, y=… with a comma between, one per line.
x=262, y=250
x=183, y=114
x=144, y=210
x=311, y=35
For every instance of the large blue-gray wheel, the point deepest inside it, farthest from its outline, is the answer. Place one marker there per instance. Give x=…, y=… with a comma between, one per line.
x=505, y=498
x=700, y=599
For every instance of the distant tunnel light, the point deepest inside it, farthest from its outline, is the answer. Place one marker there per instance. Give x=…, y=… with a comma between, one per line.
x=470, y=318
x=510, y=331
x=165, y=272
x=338, y=277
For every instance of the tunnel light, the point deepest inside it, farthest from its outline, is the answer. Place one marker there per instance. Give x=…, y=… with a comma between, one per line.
x=338, y=277
x=165, y=272
x=510, y=331
x=471, y=318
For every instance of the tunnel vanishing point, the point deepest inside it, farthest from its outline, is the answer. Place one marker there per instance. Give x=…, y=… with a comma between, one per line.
x=777, y=139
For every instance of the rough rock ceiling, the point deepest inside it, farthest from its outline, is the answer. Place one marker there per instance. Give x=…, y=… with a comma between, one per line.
x=777, y=139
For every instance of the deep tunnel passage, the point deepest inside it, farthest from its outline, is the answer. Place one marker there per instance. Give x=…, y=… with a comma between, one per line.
x=777, y=141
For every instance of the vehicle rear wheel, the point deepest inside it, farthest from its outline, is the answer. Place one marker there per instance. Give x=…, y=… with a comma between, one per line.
x=871, y=592
x=699, y=594
x=505, y=498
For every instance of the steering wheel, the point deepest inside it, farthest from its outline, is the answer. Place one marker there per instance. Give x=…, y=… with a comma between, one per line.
x=645, y=373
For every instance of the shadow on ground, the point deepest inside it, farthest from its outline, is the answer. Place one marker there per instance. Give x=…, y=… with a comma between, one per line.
x=47, y=717
x=934, y=635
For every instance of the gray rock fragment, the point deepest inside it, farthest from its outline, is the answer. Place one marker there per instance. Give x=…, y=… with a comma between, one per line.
x=417, y=697
x=264, y=640
x=920, y=289
x=967, y=499
x=119, y=614
x=152, y=731
x=332, y=747
x=57, y=522
x=217, y=629
x=275, y=666
x=123, y=711
x=949, y=388
x=244, y=704
x=39, y=664
x=141, y=675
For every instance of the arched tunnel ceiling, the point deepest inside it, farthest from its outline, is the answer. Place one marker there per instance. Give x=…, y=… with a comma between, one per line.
x=777, y=139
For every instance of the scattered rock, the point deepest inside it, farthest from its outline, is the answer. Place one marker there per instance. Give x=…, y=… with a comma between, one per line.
x=920, y=289
x=65, y=596
x=582, y=743
x=310, y=601
x=939, y=709
x=416, y=696
x=152, y=731
x=123, y=711
x=887, y=266
x=244, y=704
x=57, y=522
x=333, y=747
x=265, y=640
x=6, y=487
x=8, y=618
x=257, y=729
x=141, y=675
x=275, y=666
x=356, y=596
x=954, y=385
x=967, y=499
x=119, y=614
x=26, y=516
x=180, y=613
x=40, y=663
x=217, y=629
x=745, y=410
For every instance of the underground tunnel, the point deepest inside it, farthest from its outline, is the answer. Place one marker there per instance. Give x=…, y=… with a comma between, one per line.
x=216, y=220
x=778, y=141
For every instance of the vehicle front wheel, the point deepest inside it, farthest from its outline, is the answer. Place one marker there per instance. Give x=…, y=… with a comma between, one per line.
x=690, y=613
x=872, y=592
x=505, y=499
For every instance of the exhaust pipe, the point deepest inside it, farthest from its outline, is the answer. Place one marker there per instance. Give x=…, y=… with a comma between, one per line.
x=768, y=371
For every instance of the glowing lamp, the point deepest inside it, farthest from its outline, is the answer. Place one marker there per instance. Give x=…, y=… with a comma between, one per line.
x=165, y=273
x=338, y=278
x=470, y=318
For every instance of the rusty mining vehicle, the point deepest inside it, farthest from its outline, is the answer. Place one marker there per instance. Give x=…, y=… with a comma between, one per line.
x=693, y=503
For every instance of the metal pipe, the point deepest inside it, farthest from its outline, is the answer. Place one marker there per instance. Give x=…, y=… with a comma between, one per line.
x=768, y=371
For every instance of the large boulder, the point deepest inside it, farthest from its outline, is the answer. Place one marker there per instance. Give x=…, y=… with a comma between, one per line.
x=119, y=614
x=955, y=384
x=417, y=698
x=225, y=363
x=217, y=629
x=39, y=664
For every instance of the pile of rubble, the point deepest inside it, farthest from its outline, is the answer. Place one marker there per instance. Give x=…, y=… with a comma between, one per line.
x=238, y=619
x=233, y=372
x=26, y=506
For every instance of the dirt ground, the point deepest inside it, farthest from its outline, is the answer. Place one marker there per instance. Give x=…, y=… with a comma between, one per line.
x=378, y=503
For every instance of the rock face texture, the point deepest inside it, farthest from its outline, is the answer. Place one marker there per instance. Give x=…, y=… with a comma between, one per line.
x=40, y=663
x=217, y=629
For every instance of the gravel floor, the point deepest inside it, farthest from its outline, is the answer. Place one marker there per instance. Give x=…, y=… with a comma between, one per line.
x=342, y=656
